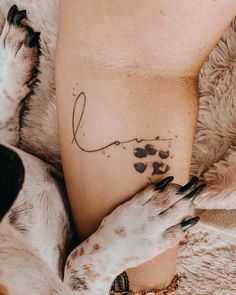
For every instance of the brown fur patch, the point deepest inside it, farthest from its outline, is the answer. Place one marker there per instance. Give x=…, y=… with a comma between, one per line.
x=74, y=254
x=121, y=231
x=77, y=283
x=90, y=273
x=3, y=290
x=68, y=265
x=95, y=249
x=81, y=251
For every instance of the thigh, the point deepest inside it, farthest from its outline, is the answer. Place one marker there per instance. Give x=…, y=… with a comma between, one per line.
x=167, y=37
x=126, y=81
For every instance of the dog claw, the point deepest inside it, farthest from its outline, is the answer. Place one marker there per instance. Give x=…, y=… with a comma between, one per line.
x=32, y=39
x=193, y=194
x=163, y=183
x=11, y=14
x=19, y=16
x=185, y=225
x=193, y=181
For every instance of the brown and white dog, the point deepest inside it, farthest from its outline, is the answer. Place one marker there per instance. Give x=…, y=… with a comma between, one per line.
x=34, y=225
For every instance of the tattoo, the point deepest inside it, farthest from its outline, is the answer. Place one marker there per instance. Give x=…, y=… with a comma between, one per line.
x=159, y=168
x=140, y=167
x=164, y=154
x=149, y=149
x=75, y=129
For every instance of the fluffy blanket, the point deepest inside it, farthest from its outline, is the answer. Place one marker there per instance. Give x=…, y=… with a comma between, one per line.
x=207, y=260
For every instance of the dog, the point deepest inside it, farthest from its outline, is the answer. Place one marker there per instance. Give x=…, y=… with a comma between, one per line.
x=35, y=227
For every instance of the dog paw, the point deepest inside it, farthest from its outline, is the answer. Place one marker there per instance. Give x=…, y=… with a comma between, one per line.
x=153, y=221
x=19, y=50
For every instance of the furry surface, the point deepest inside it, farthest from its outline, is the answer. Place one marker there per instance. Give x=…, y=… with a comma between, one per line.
x=206, y=261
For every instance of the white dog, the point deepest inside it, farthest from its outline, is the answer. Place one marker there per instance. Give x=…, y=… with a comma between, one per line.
x=34, y=225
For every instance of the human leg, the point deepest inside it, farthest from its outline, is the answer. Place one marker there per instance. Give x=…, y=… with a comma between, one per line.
x=133, y=69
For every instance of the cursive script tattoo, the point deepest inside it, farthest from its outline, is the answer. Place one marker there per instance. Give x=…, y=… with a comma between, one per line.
x=76, y=126
x=149, y=157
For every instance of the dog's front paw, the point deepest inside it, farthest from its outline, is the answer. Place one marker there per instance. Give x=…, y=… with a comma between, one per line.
x=153, y=221
x=137, y=231
x=19, y=49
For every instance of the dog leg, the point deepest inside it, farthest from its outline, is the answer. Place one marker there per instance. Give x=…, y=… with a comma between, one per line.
x=18, y=61
x=137, y=231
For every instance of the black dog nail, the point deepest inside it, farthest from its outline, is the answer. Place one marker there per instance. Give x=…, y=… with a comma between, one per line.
x=185, y=225
x=32, y=39
x=35, y=72
x=11, y=13
x=19, y=16
x=194, y=180
x=163, y=183
x=193, y=194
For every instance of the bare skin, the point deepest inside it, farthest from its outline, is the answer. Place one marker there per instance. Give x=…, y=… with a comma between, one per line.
x=136, y=63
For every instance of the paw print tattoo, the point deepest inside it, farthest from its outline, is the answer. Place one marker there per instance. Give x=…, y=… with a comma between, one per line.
x=150, y=150
x=142, y=153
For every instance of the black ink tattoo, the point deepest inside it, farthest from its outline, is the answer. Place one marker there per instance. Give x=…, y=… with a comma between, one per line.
x=159, y=168
x=140, y=167
x=151, y=151
x=164, y=154
x=139, y=152
x=76, y=126
x=148, y=150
